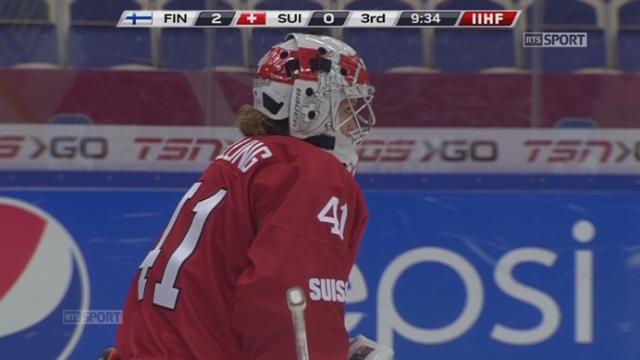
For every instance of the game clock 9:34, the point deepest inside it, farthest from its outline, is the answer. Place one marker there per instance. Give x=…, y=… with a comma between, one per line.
x=428, y=18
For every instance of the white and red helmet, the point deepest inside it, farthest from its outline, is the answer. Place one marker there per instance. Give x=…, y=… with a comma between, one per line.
x=304, y=80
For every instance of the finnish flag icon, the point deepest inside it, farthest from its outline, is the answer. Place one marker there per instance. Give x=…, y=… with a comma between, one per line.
x=134, y=18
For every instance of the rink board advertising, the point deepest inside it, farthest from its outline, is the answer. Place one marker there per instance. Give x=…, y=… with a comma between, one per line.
x=444, y=273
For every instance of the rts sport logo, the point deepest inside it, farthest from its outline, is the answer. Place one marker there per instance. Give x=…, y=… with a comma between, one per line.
x=42, y=273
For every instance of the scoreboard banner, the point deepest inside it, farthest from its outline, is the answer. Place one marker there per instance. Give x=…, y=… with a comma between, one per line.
x=306, y=18
x=386, y=150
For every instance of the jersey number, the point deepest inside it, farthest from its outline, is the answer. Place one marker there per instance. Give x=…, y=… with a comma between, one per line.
x=165, y=293
x=329, y=214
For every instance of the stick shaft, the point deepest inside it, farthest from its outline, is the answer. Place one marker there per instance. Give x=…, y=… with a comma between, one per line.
x=300, y=330
x=297, y=302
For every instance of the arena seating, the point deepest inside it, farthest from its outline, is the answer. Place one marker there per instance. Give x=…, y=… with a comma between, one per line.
x=29, y=34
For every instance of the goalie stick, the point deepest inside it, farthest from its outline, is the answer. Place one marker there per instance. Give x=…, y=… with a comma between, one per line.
x=297, y=303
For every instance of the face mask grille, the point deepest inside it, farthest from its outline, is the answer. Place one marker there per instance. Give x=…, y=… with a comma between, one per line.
x=356, y=116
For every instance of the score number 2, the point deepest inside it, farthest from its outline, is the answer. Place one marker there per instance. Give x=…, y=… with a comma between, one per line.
x=165, y=293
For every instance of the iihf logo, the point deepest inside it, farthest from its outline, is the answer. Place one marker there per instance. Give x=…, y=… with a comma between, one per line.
x=43, y=273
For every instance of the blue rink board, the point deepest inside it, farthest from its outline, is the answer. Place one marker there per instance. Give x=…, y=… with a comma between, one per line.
x=115, y=218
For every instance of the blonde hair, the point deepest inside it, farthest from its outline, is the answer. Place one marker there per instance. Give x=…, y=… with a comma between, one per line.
x=252, y=122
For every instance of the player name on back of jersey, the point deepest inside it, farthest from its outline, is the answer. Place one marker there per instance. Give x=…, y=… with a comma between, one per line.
x=245, y=153
x=320, y=18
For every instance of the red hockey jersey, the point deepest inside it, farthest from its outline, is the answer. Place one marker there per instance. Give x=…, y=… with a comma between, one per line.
x=270, y=213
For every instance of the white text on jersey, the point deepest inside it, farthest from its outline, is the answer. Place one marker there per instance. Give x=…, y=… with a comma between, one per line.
x=329, y=214
x=327, y=290
x=246, y=153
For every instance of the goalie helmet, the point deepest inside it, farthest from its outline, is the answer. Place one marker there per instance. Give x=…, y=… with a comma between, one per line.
x=310, y=80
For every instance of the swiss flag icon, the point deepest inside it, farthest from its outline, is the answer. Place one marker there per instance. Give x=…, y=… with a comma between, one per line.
x=252, y=18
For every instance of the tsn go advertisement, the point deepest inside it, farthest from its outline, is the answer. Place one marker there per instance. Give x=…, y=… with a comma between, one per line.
x=483, y=273
x=387, y=150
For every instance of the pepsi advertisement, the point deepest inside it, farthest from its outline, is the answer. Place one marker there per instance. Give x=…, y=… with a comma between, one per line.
x=445, y=272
